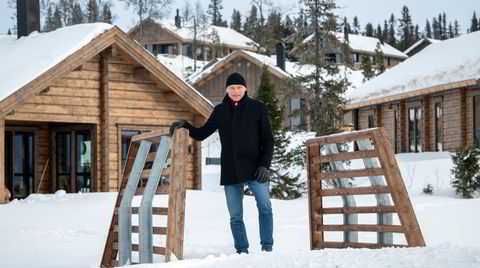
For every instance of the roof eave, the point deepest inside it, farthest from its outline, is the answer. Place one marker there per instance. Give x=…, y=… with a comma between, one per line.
x=415, y=93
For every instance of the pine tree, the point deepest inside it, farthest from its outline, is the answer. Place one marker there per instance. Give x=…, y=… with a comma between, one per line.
x=369, y=30
x=57, y=19
x=405, y=29
x=288, y=27
x=273, y=31
x=466, y=171
x=77, y=14
x=324, y=87
x=356, y=25
x=428, y=30
x=392, y=40
x=379, y=33
x=385, y=32
x=48, y=26
x=282, y=184
x=106, y=13
x=475, y=23
x=251, y=26
x=66, y=10
x=416, y=35
x=215, y=12
x=456, y=29
x=9, y=32
x=379, y=59
x=367, y=68
x=92, y=11
x=451, y=32
x=435, y=28
x=346, y=26
x=444, y=26
x=236, y=23
x=440, y=27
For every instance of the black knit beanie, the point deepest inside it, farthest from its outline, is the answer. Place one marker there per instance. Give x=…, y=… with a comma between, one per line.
x=235, y=79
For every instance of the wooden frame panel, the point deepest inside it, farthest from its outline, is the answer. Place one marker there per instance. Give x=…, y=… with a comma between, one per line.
x=394, y=186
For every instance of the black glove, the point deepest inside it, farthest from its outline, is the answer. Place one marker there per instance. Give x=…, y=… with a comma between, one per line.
x=176, y=124
x=262, y=174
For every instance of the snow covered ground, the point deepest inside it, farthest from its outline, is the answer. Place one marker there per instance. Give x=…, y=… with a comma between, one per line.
x=69, y=230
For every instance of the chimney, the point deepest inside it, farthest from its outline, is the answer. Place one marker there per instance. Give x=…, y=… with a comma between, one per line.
x=177, y=19
x=28, y=17
x=281, y=55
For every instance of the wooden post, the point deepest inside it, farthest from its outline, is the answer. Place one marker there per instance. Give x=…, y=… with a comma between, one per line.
x=463, y=117
x=400, y=198
x=378, y=113
x=315, y=202
x=426, y=124
x=403, y=126
x=176, y=198
x=104, y=120
x=2, y=160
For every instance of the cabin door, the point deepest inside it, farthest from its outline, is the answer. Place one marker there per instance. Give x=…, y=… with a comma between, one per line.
x=72, y=158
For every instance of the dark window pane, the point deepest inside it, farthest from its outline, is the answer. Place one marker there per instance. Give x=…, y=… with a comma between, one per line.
x=63, y=153
x=83, y=152
x=19, y=154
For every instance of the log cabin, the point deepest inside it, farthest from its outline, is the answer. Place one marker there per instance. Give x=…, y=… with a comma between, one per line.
x=359, y=46
x=430, y=102
x=70, y=101
x=162, y=37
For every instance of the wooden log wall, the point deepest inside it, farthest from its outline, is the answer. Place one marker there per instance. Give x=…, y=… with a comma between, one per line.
x=135, y=99
x=452, y=120
x=131, y=98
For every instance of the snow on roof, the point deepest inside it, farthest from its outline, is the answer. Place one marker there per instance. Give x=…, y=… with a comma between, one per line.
x=360, y=43
x=419, y=42
x=179, y=64
x=449, y=61
x=226, y=35
x=291, y=68
x=26, y=58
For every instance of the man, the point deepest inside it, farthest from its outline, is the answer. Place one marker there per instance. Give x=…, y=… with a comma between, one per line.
x=247, y=147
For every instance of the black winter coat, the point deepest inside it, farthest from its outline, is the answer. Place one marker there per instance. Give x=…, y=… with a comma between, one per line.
x=245, y=135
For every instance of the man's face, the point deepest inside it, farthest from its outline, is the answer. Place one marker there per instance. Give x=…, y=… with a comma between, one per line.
x=236, y=92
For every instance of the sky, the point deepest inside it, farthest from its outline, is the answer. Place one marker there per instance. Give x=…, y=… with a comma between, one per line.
x=375, y=11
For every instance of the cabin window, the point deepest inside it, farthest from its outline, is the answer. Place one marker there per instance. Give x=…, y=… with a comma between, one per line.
x=476, y=120
x=438, y=127
x=415, y=129
x=297, y=113
x=389, y=62
x=331, y=57
x=371, y=121
x=126, y=138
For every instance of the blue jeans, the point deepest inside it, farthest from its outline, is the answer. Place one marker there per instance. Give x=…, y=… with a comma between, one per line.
x=234, y=195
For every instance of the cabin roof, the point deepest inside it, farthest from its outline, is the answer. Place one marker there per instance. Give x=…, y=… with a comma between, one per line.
x=429, y=40
x=365, y=44
x=32, y=63
x=291, y=68
x=441, y=66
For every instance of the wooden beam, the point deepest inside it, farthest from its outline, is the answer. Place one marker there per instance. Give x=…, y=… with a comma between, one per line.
x=399, y=194
x=2, y=160
x=378, y=114
x=349, y=173
x=314, y=204
x=343, y=156
x=358, y=245
x=360, y=228
x=463, y=117
x=403, y=126
x=105, y=118
x=355, y=191
x=426, y=124
x=176, y=197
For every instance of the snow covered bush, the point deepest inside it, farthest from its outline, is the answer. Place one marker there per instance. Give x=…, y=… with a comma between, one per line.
x=466, y=171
